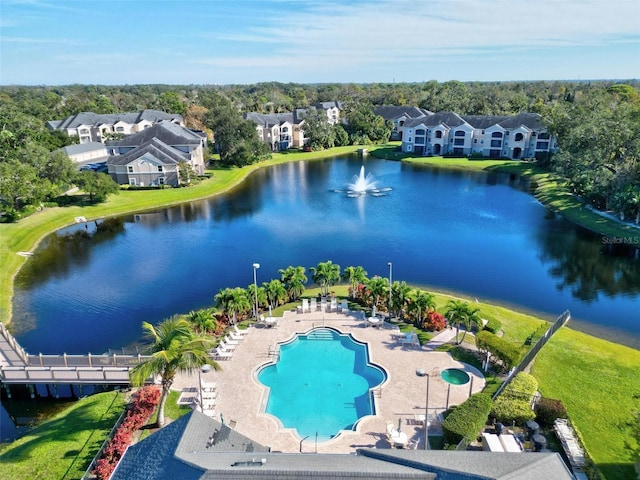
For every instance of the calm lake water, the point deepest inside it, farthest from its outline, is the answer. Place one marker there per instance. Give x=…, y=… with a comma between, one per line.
x=88, y=288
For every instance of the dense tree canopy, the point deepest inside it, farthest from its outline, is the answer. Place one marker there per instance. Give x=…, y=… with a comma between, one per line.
x=597, y=125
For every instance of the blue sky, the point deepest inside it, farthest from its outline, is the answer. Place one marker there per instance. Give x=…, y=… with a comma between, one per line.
x=56, y=42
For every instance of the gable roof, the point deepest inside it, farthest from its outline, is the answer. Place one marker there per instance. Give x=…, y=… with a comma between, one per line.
x=199, y=447
x=167, y=132
x=268, y=120
x=328, y=105
x=84, y=148
x=389, y=112
x=448, y=119
x=164, y=153
x=97, y=119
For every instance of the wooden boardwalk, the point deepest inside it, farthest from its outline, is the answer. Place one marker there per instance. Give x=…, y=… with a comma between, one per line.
x=17, y=367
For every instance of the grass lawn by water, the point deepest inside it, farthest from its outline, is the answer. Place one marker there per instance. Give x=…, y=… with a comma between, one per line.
x=63, y=447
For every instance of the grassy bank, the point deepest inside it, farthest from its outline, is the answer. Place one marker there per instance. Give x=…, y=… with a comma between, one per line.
x=63, y=447
x=551, y=190
x=24, y=235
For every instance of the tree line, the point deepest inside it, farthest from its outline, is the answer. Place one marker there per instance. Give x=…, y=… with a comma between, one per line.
x=597, y=125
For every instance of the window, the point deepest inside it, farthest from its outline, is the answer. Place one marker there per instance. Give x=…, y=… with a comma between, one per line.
x=459, y=141
x=459, y=133
x=496, y=143
x=285, y=129
x=496, y=135
x=544, y=136
x=130, y=169
x=420, y=131
x=161, y=180
x=119, y=129
x=542, y=145
x=409, y=139
x=409, y=148
x=160, y=168
x=84, y=131
x=438, y=134
x=475, y=140
x=132, y=181
x=519, y=137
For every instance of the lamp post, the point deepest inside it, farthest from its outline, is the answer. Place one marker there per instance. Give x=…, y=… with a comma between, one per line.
x=390, y=285
x=426, y=418
x=256, y=266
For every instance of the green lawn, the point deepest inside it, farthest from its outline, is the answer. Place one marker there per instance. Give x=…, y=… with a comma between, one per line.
x=63, y=447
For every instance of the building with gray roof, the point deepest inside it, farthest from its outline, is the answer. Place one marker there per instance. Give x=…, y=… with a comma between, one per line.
x=198, y=447
x=491, y=136
x=153, y=156
x=97, y=127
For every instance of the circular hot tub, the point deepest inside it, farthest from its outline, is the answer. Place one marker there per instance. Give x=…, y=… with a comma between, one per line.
x=455, y=376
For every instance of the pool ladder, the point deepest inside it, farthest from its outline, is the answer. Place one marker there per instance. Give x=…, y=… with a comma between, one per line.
x=274, y=352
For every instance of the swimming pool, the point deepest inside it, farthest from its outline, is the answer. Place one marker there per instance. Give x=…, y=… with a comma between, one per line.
x=321, y=384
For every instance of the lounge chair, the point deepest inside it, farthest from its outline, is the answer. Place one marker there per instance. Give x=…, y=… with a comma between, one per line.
x=305, y=305
x=334, y=305
x=239, y=332
x=344, y=306
x=323, y=305
x=235, y=337
x=208, y=386
x=218, y=354
x=230, y=341
x=314, y=305
x=209, y=396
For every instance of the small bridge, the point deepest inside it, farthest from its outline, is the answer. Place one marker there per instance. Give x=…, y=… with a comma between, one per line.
x=17, y=367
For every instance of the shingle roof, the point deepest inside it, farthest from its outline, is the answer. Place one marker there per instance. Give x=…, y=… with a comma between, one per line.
x=169, y=133
x=84, y=148
x=328, y=105
x=162, y=152
x=269, y=119
x=97, y=119
x=196, y=446
x=448, y=119
x=389, y=112
x=529, y=120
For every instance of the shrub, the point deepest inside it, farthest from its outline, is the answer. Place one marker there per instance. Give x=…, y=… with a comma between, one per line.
x=493, y=326
x=514, y=403
x=434, y=321
x=140, y=410
x=548, y=409
x=501, y=350
x=466, y=420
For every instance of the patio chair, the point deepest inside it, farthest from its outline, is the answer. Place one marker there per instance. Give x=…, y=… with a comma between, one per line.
x=344, y=306
x=239, y=332
x=218, y=354
x=230, y=341
x=208, y=386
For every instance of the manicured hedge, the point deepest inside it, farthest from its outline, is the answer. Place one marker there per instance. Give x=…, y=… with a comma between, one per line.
x=514, y=403
x=493, y=326
x=503, y=351
x=466, y=421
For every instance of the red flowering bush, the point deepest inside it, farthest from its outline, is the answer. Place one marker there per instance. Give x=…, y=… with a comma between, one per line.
x=434, y=321
x=141, y=408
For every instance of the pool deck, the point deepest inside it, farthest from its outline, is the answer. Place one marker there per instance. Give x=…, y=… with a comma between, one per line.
x=401, y=398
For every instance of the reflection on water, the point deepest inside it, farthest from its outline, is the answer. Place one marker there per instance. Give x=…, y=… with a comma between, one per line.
x=90, y=287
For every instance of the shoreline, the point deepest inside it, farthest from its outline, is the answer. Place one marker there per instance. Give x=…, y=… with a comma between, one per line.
x=224, y=180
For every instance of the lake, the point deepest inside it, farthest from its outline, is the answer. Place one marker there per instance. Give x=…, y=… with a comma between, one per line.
x=89, y=287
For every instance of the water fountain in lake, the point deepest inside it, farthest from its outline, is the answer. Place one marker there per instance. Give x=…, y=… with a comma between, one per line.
x=364, y=185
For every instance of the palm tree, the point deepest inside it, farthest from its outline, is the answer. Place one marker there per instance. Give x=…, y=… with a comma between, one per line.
x=204, y=321
x=421, y=303
x=276, y=293
x=461, y=313
x=399, y=297
x=175, y=347
x=233, y=301
x=325, y=274
x=262, y=295
x=376, y=290
x=354, y=276
x=294, y=279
